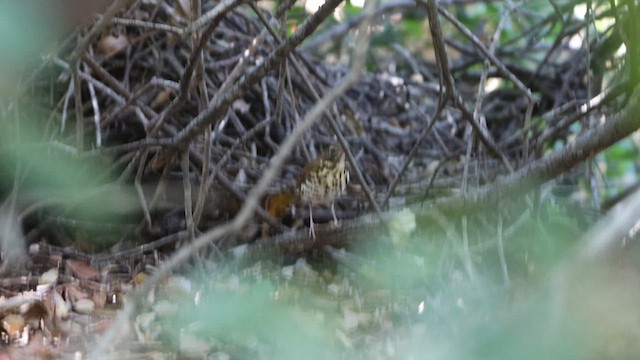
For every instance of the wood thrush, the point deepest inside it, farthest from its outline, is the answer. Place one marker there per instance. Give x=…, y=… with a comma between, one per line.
x=322, y=181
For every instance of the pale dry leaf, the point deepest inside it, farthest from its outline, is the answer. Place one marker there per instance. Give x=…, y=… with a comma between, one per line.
x=110, y=45
x=241, y=106
x=162, y=99
x=140, y=278
x=84, y=306
x=48, y=277
x=60, y=306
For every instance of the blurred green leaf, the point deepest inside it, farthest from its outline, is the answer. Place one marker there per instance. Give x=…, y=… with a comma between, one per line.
x=238, y=317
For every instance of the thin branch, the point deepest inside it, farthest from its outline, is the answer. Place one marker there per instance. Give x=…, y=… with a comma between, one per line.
x=503, y=260
x=138, y=185
x=466, y=252
x=147, y=25
x=188, y=200
x=96, y=111
x=77, y=99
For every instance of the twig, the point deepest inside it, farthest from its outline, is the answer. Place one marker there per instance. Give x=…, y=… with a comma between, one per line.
x=204, y=176
x=147, y=25
x=96, y=111
x=503, y=260
x=188, y=206
x=153, y=83
x=466, y=252
x=116, y=85
x=138, y=185
x=77, y=99
x=211, y=16
x=65, y=106
x=162, y=184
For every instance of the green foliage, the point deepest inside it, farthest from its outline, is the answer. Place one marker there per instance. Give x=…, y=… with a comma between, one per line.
x=351, y=11
x=26, y=30
x=295, y=17
x=621, y=158
x=418, y=284
x=621, y=166
x=240, y=318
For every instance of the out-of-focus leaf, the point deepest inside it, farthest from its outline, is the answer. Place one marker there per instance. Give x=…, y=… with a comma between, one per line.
x=239, y=317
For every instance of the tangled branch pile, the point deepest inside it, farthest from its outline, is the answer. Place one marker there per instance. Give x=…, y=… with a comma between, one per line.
x=185, y=108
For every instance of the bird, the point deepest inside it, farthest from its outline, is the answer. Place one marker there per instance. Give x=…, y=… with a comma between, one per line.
x=322, y=181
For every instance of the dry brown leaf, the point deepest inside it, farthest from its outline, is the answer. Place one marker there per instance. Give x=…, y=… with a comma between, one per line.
x=140, y=278
x=393, y=121
x=13, y=325
x=277, y=204
x=110, y=45
x=159, y=161
x=36, y=312
x=162, y=99
x=82, y=270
